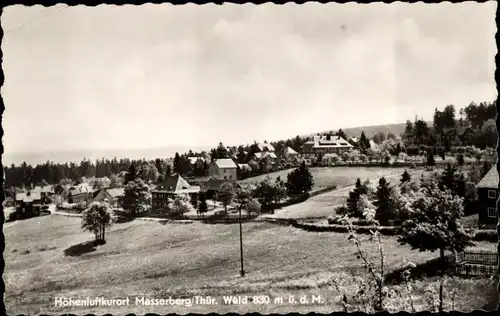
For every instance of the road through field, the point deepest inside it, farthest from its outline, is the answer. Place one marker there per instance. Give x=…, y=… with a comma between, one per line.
x=322, y=205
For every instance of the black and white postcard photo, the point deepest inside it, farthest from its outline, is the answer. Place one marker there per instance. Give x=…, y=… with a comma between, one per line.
x=243, y=158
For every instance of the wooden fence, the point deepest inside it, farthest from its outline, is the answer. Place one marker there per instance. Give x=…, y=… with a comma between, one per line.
x=476, y=263
x=478, y=257
x=475, y=270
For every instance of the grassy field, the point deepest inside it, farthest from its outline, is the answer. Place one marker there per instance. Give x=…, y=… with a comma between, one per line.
x=323, y=205
x=328, y=176
x=45, y=258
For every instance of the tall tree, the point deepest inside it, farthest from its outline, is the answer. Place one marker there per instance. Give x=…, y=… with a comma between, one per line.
x=448, y=178
x=448, y=117
x=406, y=177
x=434, y=223
x=226, y=194
x=202, y=206
x=385, y=210
x=354, y=197
x=131, y=174
x=408, y=134
x=363, y=143
x=96, y=218
x=136, y=197
x=299, y=181
x=421, y=132
x=430, y=159
x=177, y=164
x=341, y=133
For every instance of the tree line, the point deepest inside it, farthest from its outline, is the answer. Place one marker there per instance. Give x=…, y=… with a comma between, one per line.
x=480, y=117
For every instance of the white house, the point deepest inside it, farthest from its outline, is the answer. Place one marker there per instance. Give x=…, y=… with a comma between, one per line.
x=223, y=169
x=323, y=144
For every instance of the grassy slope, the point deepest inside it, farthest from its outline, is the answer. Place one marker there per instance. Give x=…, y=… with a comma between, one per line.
x=155, y=260
x=328, y=176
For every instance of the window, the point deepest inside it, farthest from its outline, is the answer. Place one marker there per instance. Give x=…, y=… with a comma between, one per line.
x=224, y=170
x=492, y=212
x=225, y=177
x=492, y=194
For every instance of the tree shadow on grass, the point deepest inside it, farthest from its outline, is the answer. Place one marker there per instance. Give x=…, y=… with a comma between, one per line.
x=430, y=268
x=124, y=219
x=83, y=248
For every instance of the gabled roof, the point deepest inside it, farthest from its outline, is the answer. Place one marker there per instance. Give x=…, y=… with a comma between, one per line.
x=264, y=154
x=490, y=180
x=176, y=184
x=265, y=146
x=44, y=189
x=225, y=163
x=373, y=145
x=289, y=151
x=244, y=166
x=116, y=192
x=81, y=188
x=459, y=130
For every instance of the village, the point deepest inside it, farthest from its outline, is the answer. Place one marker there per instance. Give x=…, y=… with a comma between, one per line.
x=190, y=176
x=312, y=187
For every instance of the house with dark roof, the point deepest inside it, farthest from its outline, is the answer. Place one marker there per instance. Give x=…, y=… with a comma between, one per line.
x=172, y=186
x=487, y=195
x=456, y=136
x=110, y=196
x=223, y=169
x=81, y=193
x=211, y=186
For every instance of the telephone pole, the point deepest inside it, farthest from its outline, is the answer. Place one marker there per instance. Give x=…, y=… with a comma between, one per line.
x=242, y=271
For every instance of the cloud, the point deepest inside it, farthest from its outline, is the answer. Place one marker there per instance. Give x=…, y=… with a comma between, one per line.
x=159, y=75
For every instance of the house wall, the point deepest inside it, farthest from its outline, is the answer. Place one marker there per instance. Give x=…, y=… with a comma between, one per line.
x=81, y=197
x=159, y=200
x=484, y=202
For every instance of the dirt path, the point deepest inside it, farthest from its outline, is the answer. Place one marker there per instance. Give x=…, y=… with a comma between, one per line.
x=322, y=206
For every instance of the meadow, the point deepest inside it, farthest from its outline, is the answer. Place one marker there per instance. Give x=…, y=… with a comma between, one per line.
x=48, y=257
x=328, y=176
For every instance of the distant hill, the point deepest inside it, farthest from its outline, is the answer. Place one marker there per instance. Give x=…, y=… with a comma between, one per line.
x=370, y=131
x=164, y=152
x=77, y=155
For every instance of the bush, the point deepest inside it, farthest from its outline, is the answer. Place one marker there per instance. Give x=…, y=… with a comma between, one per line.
x=337, y=219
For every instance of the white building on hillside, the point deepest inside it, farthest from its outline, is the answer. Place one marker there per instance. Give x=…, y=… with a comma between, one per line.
x=323, y=144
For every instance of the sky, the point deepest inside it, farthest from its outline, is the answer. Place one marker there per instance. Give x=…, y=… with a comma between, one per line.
x=160, y=75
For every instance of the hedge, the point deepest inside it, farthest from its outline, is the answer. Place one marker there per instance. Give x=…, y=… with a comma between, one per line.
x=479, y=235
x=384, y=230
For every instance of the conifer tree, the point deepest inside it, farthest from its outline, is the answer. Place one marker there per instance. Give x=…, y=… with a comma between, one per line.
x=406, y=177
x=131, y=174
x=383, y=202
x=430, y=159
